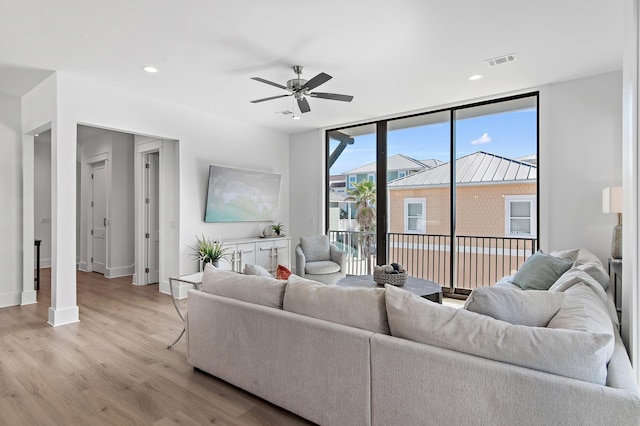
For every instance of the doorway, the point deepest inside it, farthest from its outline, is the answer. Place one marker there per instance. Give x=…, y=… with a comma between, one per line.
x=152, y=217
x=99, y=217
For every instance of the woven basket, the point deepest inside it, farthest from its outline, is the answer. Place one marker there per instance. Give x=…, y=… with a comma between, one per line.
x=394, y=279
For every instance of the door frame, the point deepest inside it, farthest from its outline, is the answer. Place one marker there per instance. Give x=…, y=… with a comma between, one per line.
x=90, y=163
x=146, y=217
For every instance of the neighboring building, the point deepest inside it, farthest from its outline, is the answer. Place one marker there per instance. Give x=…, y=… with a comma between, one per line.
x=398, y=166
x=496, y=196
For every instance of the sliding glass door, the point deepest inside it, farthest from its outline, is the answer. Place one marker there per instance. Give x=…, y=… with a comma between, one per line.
x=451, y=194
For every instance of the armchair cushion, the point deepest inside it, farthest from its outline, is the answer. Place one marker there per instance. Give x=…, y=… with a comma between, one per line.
x=315, y=248
x=321, y=267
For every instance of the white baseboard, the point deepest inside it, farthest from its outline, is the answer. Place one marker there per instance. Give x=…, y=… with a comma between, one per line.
x=29, y=297
x=82, y=266
x=10, y=299
x=122, y=271
x=63, y=316
x=179, y=290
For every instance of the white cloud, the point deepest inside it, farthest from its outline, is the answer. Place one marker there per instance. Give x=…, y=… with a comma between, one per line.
x=482, y=139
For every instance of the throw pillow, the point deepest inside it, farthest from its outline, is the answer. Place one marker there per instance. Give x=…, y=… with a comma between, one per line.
x=266, y=291
x=315, y=248
x=531, y=308
x=250, y=269
x=597, y=272
x=571, y=254
x=356, y=307
x=540, y=271
x=282, y=272
x=577, y=354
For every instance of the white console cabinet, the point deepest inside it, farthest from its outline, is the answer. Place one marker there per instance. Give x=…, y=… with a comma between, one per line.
x=266, y=252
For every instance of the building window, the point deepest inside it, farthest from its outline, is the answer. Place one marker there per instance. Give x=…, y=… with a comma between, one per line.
x=352, y=180
x=520, y=215
x=415, y=215
x=402, y=174
x=371, y=177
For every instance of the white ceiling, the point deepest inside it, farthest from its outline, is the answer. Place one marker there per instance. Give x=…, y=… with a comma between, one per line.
x=393, y=57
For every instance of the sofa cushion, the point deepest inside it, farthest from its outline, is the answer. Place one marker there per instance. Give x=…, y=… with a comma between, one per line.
x=250, y=269
x=577, y=354
x=597, y=272
x=532, y=308
x=356, y=307
x=540, y=271
x=265, y=291
x=321, y=267
x=315, y=248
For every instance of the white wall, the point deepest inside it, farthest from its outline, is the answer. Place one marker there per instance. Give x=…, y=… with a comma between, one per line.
x=580, y=145
x=10, y=193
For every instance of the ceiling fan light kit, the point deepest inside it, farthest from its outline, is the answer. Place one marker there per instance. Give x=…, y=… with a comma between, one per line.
x=300, y=89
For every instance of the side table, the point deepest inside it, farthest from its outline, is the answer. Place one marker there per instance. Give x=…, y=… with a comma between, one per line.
x=615, y=276
x=195, y=280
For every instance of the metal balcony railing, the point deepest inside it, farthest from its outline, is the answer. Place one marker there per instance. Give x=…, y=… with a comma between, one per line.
x=480, y=261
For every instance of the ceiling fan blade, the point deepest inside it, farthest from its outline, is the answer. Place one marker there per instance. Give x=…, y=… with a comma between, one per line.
x=317, y=81
x=303, y=104
x=332, y=96
x=269, y=98
x=262, y=80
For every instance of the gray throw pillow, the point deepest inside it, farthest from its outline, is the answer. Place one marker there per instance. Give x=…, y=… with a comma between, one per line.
x=540, y=271
x=250, y=269
x=531, y=308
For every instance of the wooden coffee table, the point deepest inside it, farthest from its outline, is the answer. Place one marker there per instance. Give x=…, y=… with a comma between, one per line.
x=423, y=288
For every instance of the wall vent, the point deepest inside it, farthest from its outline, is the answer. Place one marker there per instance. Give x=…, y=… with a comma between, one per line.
x=501, y=59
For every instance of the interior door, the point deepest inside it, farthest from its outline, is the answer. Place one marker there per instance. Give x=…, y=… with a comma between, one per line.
x=153, y=218
x=99, y=217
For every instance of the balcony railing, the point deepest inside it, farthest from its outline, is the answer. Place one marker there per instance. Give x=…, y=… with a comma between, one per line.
x=480, y=261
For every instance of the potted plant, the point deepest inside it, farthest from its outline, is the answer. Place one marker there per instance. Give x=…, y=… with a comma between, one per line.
x=278, y=228
x=209, y=251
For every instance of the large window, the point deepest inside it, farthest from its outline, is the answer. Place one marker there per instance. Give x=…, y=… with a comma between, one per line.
x=474, y=167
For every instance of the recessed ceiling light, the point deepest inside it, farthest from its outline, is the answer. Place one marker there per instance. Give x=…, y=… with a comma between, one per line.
x=150, y=69
x=475, y=77
x=296, y=117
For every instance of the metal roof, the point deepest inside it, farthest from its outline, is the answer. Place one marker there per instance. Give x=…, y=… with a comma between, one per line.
x=395, y=162
x=479, y=167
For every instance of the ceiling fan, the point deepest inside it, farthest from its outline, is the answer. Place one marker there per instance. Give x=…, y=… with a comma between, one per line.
x=301, y=88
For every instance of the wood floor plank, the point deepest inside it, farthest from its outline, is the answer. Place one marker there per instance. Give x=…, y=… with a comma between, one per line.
x=113, y=367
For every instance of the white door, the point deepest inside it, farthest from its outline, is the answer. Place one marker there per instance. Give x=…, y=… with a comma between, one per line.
x=99, y=217
x=152, y=205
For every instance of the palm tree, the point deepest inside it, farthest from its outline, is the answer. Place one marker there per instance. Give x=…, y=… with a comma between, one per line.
x=364, y=195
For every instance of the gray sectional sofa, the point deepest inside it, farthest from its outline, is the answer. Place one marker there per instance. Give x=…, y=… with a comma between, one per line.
x=351, y=356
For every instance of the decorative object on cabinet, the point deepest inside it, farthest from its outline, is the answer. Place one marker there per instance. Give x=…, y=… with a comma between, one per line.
x=612, y=203
x=209, y=251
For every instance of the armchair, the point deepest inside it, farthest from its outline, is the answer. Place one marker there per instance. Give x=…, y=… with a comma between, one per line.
x=319, y=260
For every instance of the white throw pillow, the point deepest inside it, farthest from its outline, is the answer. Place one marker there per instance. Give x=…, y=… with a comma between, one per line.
x=577, y=354
x=250, y=269
x=533, y=308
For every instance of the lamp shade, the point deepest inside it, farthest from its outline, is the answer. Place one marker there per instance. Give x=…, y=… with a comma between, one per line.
x=612, y=199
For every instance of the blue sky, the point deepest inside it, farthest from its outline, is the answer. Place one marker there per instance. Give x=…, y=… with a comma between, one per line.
x=511, y=134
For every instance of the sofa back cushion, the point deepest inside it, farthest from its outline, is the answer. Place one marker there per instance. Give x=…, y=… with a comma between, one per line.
x=356, y=307
x=577, y=354
x=266, y=291
x=315, y=248
x=531, y=308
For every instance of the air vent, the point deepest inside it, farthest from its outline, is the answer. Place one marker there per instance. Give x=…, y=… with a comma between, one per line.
x=285, y=112
x=501, y=59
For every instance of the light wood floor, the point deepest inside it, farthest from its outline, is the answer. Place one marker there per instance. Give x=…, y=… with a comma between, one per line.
x=113, y=367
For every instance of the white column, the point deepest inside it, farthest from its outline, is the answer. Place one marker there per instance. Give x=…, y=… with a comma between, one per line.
x=631, y=184
x=64, y=309
x=28, y=284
